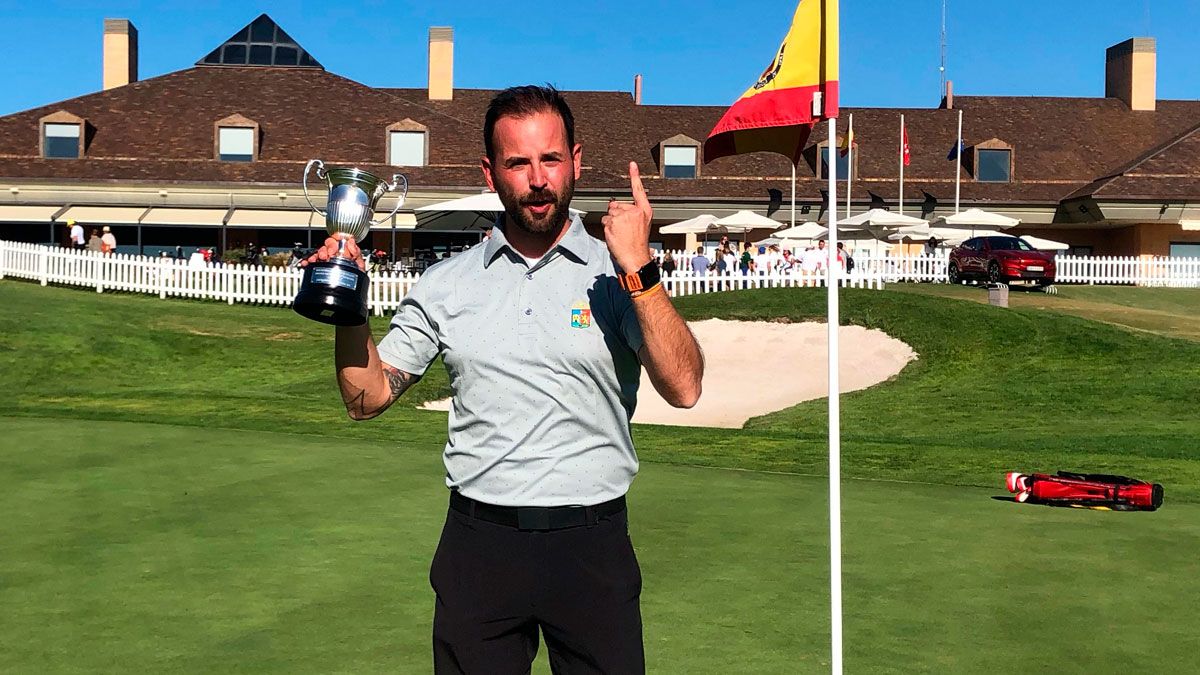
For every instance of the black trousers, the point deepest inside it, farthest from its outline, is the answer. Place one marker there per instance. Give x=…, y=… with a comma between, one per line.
x=497, y=586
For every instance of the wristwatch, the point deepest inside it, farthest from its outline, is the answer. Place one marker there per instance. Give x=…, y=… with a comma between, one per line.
x=642, y=279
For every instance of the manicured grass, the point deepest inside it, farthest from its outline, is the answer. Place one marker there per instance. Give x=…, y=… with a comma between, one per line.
x=143, y=547
x=993, y=390
x=183, y=493
x=1171, y=312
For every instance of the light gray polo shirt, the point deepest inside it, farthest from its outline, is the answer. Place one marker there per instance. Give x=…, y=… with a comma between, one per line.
x=543, y=365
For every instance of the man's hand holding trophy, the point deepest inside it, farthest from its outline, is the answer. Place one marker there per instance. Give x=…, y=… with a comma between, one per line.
x=334, y=288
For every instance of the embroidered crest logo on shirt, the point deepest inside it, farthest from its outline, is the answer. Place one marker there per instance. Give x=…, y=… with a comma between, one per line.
x=581, y=316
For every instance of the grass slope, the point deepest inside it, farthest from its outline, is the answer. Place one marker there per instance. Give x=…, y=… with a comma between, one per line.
x=145, y=547
x=993, y=389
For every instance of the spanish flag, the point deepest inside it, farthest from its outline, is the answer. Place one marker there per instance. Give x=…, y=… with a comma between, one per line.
x=778, y=112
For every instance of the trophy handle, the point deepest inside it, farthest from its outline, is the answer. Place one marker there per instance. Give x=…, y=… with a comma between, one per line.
x=397, y=180
x=304, y=183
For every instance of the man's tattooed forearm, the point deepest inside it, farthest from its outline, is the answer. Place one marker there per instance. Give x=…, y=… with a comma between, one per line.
x=398, y=382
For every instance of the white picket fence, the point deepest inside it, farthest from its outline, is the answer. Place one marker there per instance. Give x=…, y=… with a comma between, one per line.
x=254, y=284
x=1164, y=271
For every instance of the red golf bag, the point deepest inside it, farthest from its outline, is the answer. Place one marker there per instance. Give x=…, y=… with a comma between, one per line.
x=1088, y=490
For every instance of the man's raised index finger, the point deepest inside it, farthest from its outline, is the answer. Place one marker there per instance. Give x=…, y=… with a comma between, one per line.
x=635, y=183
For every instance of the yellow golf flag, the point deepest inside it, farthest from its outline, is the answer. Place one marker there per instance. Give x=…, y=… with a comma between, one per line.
x=778, y=112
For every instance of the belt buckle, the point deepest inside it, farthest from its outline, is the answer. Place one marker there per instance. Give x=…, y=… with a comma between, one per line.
x=533, y=518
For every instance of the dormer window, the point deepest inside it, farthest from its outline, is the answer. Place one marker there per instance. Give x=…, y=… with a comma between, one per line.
x=994, y=166
x=62, y=135
x=61, y=141
x=236, y=139
x=679, y=157
x=679, y=161
x=993, y=161
x=407, y=144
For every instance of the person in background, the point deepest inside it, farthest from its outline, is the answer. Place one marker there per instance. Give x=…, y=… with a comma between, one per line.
x=108, y=242
x=931, y=246
x=844, y=258
x=762, y=261
x=746, y=264
x=93, y=244
x=668, y=263
x=700, y=262
x=77, y=241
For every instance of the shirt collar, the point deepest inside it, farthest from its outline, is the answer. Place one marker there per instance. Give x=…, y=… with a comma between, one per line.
x=574, y=242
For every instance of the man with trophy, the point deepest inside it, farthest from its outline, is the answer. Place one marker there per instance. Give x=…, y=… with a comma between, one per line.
x=543, y=331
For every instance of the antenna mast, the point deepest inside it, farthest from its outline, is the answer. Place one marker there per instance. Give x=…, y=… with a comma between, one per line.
x=942, y=69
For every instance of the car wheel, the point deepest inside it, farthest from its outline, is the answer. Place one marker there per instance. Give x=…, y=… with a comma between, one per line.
x=953, y=275
x=994, y=273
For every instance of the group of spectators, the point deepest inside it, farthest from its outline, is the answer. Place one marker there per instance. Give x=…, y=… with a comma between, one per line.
x=100, y=241
x=761, y=260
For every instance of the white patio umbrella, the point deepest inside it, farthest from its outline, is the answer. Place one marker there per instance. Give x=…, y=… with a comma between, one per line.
x=1045, y=244
x=466, y=213
x=696, y=225
x=878, y=219
x=809, y=230
x=976, y=219
x=947, y=235
x=743, y=221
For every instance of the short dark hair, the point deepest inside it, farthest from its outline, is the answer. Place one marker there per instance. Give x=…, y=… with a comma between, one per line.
x=524, y=101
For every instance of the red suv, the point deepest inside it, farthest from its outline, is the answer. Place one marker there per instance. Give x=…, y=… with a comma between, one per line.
x=1000, y=260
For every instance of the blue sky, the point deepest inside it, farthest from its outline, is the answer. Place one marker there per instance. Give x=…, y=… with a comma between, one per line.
x=690, y=52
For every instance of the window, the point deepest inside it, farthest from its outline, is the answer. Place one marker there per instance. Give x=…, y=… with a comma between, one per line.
x=679, y=161
x=236, y=144
x=1008, y=244
x=1186, y=250
x=406, y=148
x=993, y=166
x=60, y=141
x=843, y=162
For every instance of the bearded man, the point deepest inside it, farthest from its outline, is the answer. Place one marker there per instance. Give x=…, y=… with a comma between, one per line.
x=544, y=331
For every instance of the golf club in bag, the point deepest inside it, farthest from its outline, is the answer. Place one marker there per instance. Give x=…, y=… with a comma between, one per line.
x=1088, y=490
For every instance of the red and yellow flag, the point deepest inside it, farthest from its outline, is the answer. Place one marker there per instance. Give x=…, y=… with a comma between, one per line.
x=777, y=113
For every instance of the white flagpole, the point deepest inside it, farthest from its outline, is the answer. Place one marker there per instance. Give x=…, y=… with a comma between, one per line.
x=849, y=160
x=958, y=150
x=835, y=431
x=901, y=164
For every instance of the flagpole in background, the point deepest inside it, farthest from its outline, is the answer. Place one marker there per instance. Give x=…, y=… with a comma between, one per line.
x=901, y=164
x=849, y=159
x=835, y=428
x=958, y=149
x=777, y=114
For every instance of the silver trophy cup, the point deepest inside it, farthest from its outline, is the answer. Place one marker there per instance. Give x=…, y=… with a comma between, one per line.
x=335, y=292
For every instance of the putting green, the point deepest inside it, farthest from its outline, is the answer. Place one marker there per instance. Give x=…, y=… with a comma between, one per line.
x=149, y=547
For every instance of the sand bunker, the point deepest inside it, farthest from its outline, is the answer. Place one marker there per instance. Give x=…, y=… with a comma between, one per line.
x=755, y=368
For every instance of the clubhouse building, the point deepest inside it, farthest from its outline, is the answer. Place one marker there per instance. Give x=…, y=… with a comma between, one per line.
x=213, y=155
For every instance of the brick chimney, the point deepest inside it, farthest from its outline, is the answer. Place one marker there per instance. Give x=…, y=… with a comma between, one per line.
x=1129, y=72
x=120, y=53
x=441, y=63
x=637, y=89
x=948, y=96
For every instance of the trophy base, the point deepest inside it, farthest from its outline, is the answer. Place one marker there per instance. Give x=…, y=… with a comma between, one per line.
x=333, y=292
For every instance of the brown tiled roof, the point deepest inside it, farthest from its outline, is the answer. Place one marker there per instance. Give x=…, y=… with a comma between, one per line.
x=161, y=130
x=1169, y=171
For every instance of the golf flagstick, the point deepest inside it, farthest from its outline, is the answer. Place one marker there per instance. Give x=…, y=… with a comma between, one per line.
x=835, y=431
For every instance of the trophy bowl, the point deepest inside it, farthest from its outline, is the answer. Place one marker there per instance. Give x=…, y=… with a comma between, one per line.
x=335, y=291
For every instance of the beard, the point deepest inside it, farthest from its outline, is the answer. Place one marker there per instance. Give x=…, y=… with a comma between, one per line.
x=517, y=212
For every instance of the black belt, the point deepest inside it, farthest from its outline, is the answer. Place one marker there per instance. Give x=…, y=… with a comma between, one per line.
x=536, y=517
